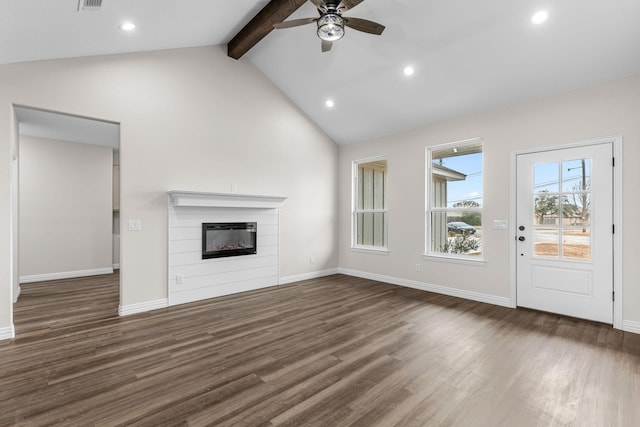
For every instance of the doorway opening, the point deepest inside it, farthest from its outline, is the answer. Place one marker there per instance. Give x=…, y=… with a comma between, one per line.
x=66, y=194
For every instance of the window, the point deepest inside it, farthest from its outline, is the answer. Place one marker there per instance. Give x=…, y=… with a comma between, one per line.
x=454, y=200
x=370, y=216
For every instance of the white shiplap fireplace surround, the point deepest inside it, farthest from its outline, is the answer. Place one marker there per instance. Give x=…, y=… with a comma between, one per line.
x=192, y=278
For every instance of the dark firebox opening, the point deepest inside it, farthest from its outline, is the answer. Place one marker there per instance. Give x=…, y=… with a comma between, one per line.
x=226, y=239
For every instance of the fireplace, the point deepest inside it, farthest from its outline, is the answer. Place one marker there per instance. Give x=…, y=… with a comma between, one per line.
x=227, y=239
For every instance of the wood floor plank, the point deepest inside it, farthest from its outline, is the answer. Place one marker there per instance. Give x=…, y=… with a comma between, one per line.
x=332, y=351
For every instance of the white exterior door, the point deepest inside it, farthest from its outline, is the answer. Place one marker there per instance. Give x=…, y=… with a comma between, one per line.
x=565, y=231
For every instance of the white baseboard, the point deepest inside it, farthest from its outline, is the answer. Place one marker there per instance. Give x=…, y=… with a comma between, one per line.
x=16, y=294
x=631, y=326
x=116, y=266
x=141, y=307
x=438, y=289
x=306, y=276
x=65, y=275
x=7, y=332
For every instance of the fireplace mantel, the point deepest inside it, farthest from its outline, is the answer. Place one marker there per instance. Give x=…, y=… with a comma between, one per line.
x=224, y=200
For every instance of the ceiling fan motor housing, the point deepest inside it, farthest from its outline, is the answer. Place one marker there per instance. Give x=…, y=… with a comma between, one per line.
x=330, y=27
x=332, y=5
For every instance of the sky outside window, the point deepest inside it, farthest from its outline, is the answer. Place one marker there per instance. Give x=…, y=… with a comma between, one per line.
x=471, y=187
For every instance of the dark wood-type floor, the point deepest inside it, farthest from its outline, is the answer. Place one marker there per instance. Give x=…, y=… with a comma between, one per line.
x=336, y=351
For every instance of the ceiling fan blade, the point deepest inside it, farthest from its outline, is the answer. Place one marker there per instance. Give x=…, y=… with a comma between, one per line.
x=294, y=23
x=349, y=4
x=326, y=45
x=319, y=4
x=364, y=25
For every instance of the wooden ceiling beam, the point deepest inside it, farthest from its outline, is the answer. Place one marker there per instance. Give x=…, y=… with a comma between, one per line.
x=274, y=12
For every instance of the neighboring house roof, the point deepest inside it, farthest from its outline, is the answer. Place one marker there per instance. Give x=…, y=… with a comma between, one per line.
x=448, y=174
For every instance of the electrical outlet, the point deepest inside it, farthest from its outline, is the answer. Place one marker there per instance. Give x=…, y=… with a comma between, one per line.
x=179, y=279
x=312, y=260
x=418, y=267
x=234, y=188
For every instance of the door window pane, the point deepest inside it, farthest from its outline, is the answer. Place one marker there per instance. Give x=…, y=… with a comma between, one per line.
x=546, y=209
x=576, y=243
x=577, y=209
x=576, y=175
x=546, y=178
x=546, y=242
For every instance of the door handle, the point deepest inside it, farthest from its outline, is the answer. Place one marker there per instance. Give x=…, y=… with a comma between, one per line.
x=521, y=238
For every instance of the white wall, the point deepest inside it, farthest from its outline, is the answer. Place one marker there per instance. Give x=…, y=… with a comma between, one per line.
x=65, y=209
x=190, y=119
x=606, y=109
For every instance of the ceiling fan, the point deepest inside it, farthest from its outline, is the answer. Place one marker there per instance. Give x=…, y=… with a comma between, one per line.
x=331, y=23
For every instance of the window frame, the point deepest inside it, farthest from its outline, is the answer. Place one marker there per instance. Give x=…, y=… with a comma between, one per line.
x=355, y=211
x=429, y=253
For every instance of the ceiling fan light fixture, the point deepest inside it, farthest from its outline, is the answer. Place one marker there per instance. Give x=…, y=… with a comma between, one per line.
x=331, y=27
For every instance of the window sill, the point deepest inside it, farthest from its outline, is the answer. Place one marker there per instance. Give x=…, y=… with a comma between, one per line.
x=455, y=260
x=370, y=250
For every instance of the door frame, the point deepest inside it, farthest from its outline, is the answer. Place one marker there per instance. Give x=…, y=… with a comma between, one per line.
x=617, y=217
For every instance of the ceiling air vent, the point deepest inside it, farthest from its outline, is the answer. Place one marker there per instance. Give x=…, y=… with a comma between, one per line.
x=89, y=5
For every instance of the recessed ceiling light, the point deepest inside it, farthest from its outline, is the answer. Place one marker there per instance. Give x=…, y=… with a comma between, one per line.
x=540, y=17
x=329, y=103
x=127, y=26
x=408, y=71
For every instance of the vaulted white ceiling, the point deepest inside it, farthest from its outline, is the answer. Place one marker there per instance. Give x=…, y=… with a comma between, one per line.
x=468, y=55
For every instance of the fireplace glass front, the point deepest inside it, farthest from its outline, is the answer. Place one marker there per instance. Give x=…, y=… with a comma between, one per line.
x=225, y=239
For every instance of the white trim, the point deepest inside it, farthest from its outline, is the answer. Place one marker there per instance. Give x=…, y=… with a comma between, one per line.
x=14, y=217
x=574, y=144
x=618, y=322
x=462, y=142
x=438, y=289
x=142, y=307
x=371, y=249
x=65, y=275
x=469, y=260
x=306, y=276
x=16, y=294
x=513, y=196
x=116, y=266
x=631, y=326
x=224, y=200
x=617, y=236
x=7, y=333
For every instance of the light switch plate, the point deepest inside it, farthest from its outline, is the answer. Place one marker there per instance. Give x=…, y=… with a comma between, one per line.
x=500, y=224
x=135, y=225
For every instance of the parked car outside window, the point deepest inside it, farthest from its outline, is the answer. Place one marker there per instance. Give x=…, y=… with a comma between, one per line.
x=460, y=227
